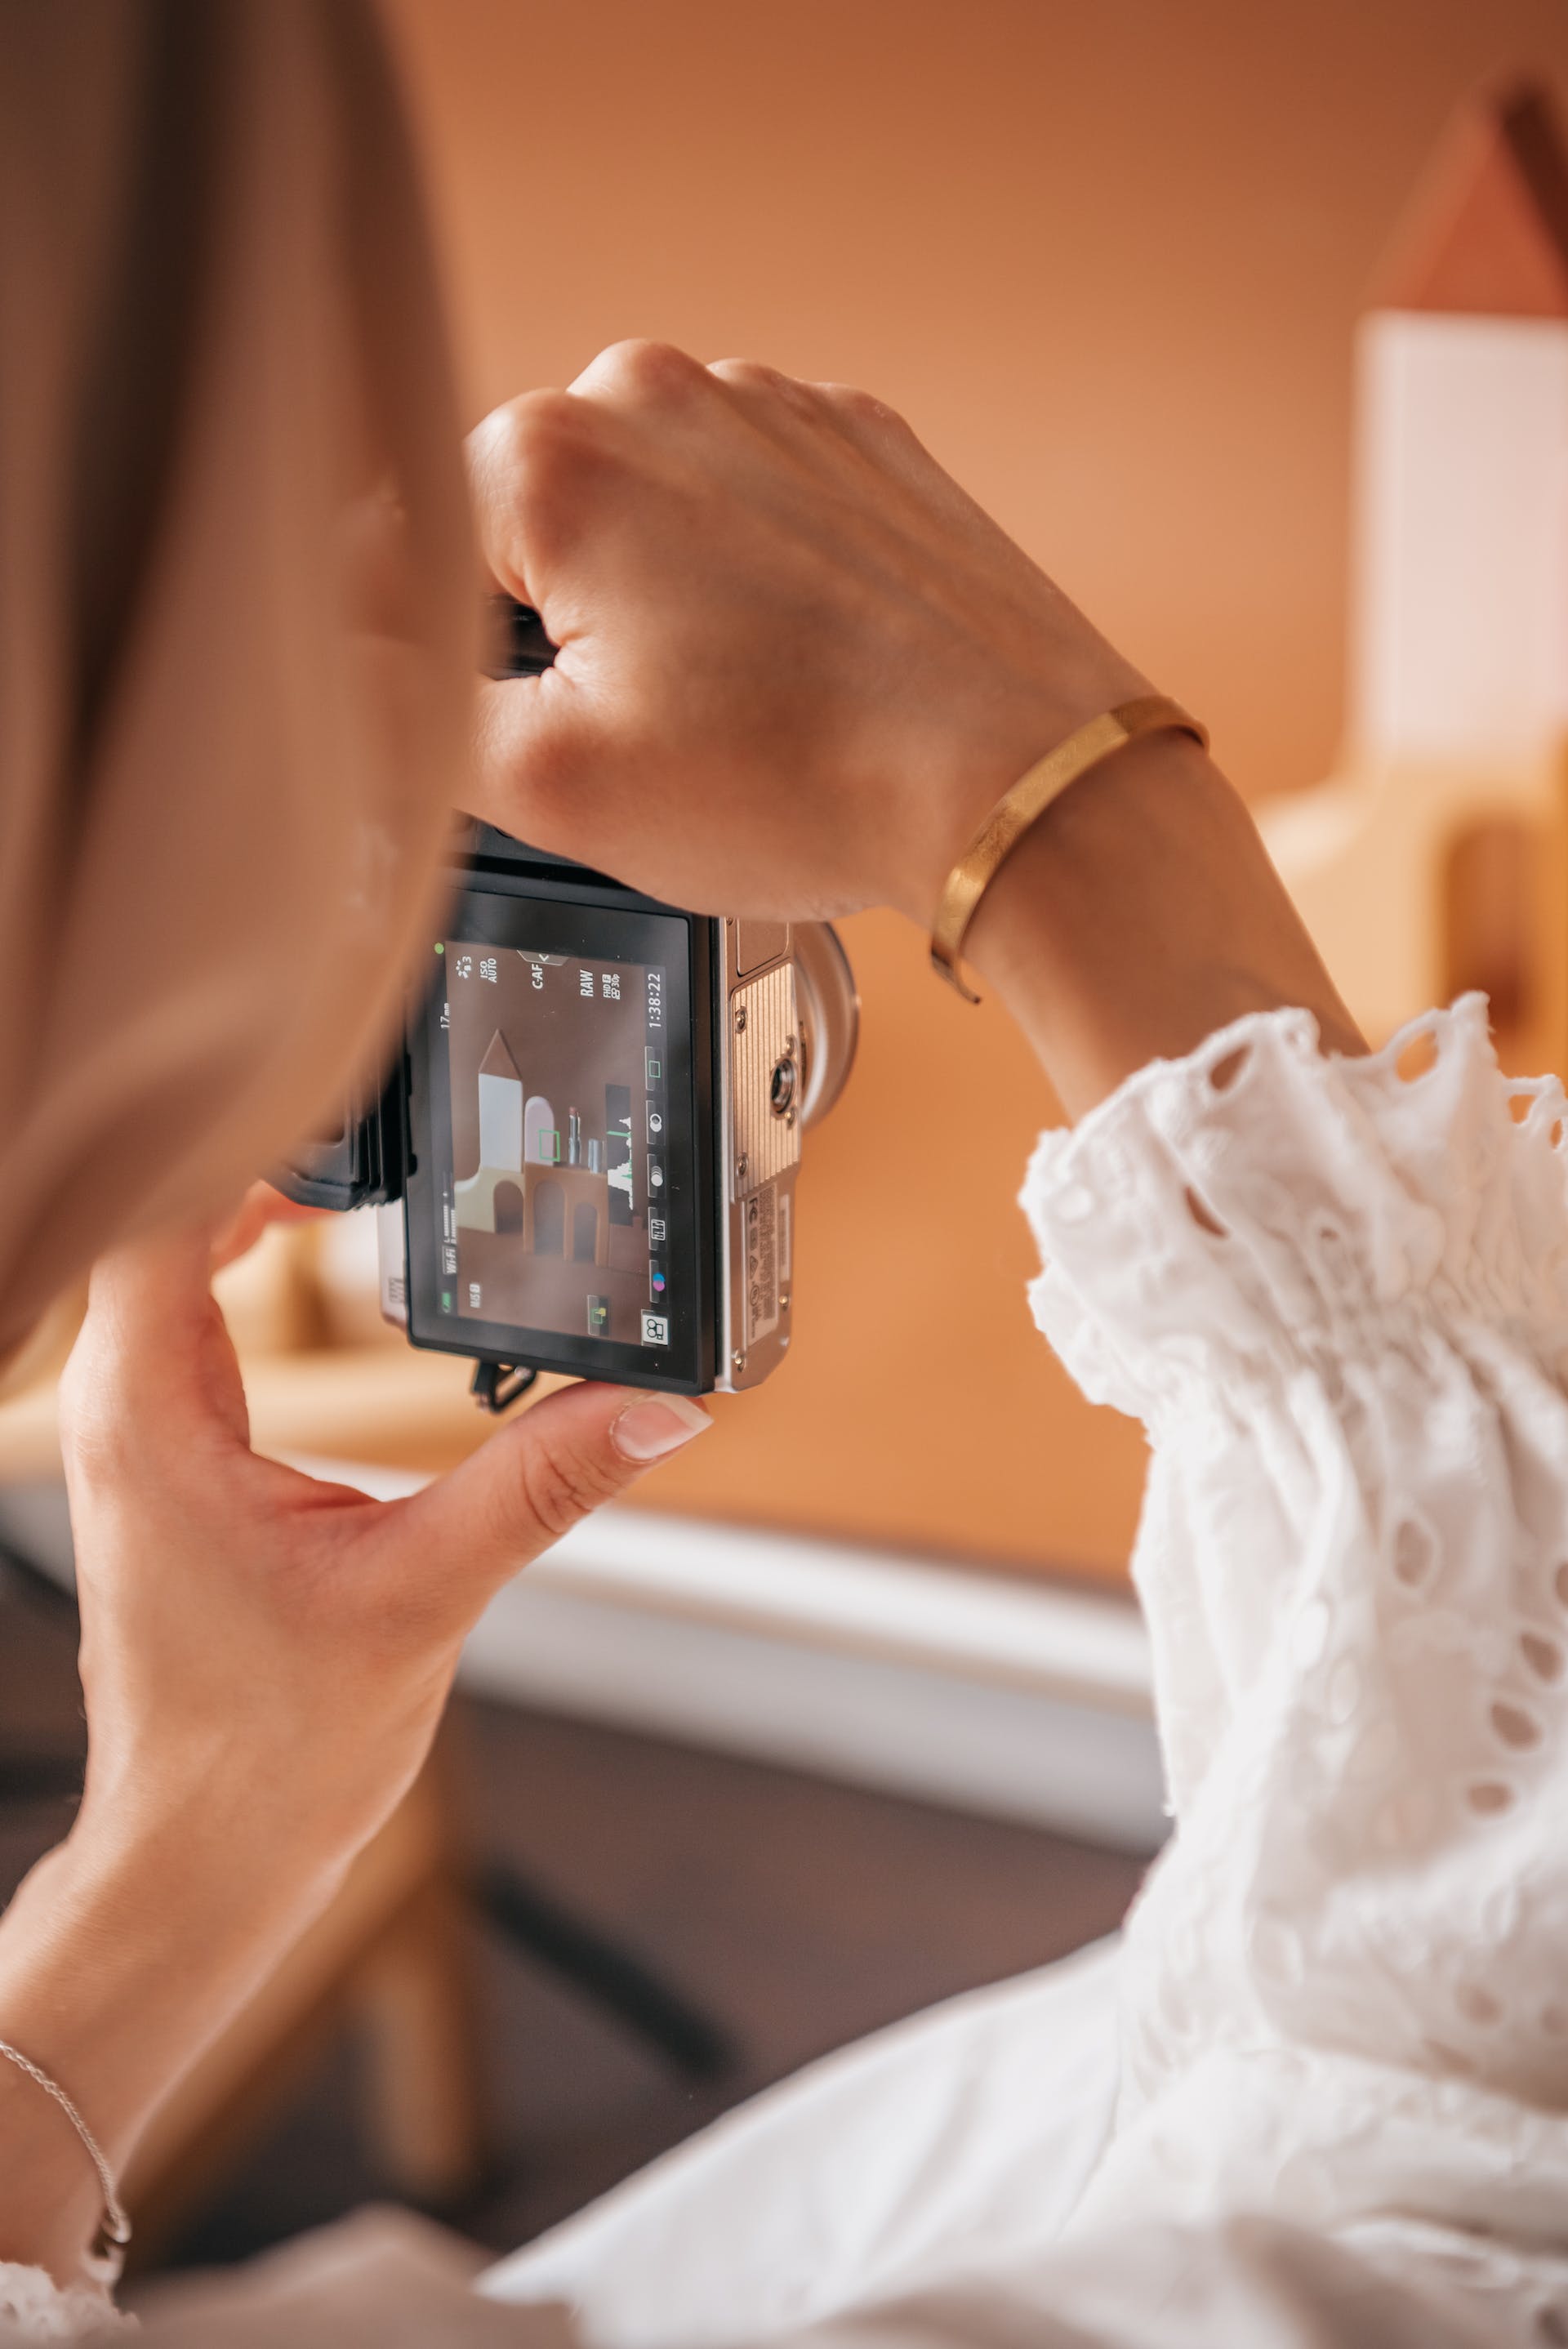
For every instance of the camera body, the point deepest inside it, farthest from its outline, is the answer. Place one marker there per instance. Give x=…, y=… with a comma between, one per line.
x=585, y=1155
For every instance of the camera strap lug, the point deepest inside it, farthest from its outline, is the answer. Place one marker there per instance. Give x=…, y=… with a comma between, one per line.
x=496, y=1385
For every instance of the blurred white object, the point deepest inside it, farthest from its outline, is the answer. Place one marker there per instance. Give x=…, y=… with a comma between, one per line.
x=1462, y=586
x=348, y=1277
x=1402, y=863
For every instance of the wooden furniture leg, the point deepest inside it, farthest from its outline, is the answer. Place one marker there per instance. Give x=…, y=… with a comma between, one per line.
x=411, y=2001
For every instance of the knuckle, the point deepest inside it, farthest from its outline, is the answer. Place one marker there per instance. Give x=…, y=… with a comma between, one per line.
x=492, y=445
x=861, y=407
x=755, y=379
x=536, y=437
x=530, y=464
x=648, y=370
x=749, y=375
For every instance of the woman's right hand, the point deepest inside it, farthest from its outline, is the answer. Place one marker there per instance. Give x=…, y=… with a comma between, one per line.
x=797, y=668
x=797, y=664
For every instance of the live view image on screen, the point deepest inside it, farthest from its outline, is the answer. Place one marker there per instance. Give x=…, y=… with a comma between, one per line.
x=553, y=1216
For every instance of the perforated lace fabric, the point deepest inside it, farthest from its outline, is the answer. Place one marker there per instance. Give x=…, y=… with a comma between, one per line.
x=1336, y=1293
x=33, y=2307
x=1339, y=1301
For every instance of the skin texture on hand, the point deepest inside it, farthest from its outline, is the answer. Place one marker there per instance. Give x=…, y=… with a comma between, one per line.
x=798, y=663
x=265, y=1660
x=798, y=667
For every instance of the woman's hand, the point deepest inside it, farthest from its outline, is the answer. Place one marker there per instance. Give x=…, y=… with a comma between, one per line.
x=280, y=1646
x=264, y=1660
x=797, y=664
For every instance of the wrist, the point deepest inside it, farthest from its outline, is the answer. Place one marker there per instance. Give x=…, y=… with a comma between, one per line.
x=1019, y=719
x=1139, y=915
x=120, y=1962
x=122, y=1956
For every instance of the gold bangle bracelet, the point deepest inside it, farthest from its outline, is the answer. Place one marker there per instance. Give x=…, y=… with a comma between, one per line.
x=1027, y=801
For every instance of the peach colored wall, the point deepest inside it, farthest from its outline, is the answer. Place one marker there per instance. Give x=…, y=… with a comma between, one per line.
x=1107, y=260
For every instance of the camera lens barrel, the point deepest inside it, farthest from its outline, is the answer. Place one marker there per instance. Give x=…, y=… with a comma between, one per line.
x=829, y=1011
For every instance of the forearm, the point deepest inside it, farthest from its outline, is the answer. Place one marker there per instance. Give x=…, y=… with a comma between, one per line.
x=1139, y=915
x=119, y=1963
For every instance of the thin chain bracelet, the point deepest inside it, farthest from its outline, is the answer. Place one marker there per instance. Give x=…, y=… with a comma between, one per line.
x=108, y=2252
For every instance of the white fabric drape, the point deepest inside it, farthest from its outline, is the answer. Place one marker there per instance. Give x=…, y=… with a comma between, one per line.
x=1339, y=1301
x=1319, y=2093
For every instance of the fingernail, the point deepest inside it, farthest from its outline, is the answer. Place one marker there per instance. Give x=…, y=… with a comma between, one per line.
x=653, y=1425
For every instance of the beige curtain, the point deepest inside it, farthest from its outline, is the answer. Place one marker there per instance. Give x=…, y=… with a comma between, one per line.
x=236, y=606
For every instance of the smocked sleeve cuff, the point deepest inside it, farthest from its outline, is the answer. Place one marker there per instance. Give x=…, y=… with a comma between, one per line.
x=1261, y=1207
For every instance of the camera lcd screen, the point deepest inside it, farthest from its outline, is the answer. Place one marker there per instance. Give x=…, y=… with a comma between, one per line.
x=553, y=1200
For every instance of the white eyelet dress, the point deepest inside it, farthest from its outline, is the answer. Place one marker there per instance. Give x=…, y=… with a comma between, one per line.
x=1338, y=1296
x=1318, y=2092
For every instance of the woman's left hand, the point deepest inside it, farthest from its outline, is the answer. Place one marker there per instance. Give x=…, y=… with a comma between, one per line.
x=265, y=1660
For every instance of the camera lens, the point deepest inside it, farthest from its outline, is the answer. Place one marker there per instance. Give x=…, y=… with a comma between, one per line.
x=781, y=1092
x=830, y=1018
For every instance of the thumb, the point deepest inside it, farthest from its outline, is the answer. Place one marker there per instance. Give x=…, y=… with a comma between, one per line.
x=542, y=1475
x=261, y=1207
x=534, y=745
x=153, y=1361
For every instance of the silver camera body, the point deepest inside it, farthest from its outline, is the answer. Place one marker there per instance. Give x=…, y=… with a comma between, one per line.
x=784, y=1042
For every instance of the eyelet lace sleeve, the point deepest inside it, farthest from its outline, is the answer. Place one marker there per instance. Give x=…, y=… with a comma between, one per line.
x=33, y=2307
x=1336, y=1293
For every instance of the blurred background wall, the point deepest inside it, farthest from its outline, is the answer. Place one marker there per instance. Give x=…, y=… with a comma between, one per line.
x=1107, y=258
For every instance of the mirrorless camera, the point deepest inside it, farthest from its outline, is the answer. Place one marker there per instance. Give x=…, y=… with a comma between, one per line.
x=585, y=1156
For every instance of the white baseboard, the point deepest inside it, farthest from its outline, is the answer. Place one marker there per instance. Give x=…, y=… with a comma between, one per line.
x=1012, y=1699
